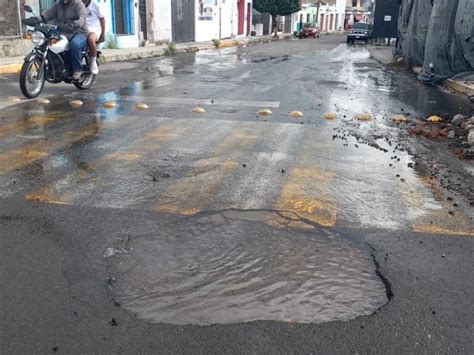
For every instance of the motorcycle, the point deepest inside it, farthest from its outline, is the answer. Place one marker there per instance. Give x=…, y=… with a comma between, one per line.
x=48, y=61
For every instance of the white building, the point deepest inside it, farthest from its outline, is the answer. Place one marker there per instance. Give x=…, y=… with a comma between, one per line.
x=200, y=20
x=329, y=15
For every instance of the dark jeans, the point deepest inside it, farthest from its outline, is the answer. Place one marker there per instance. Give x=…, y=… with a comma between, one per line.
x=76, y=45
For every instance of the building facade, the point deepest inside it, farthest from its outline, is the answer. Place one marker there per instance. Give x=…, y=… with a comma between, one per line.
x=131, y=23
x=358, y=11
x=329, y=15
x=201, y=20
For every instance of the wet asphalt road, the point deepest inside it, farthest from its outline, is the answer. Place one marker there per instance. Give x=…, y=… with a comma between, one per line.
x=169, y=231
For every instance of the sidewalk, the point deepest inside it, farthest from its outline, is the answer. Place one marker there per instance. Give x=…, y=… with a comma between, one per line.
x=12, y=65
x=384, y=55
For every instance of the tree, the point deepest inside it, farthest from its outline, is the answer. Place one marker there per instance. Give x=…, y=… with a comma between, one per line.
x=277, y=8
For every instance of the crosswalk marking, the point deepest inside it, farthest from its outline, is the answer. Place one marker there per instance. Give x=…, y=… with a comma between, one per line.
x=204, y=102
x=192, y=194
x=306, y=194
x=428, y=208
x=308, y=190
x=29, y=123
x=23, y=156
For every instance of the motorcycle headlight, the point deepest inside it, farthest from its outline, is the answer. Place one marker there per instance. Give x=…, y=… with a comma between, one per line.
x=38, y=38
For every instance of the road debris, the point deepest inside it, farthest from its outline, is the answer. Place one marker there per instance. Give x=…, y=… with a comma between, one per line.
x=434, y=119
x=399, y=119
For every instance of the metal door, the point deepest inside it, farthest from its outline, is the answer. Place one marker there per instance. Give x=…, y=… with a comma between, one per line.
x=288, y=26
x=386, y=19
x=142, y=12
x=183, y=20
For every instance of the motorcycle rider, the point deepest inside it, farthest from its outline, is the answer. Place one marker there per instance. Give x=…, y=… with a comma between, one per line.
x=96, y=27
x=71, y=19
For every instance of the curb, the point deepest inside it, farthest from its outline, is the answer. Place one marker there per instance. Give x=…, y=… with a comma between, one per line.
x=460, y=86
x=159, y=52
x=10, y=68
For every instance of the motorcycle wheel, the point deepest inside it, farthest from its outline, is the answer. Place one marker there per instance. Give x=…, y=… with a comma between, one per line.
x=85, y=84
x=31, y=83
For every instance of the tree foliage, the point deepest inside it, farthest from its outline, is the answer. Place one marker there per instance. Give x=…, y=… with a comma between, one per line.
x=277, y=7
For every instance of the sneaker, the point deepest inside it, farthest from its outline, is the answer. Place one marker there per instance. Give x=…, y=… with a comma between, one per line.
x=77, y=75
x=94, y=68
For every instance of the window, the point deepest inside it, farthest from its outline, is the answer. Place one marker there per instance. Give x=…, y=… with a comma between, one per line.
x=354, y=3
x=46, y=4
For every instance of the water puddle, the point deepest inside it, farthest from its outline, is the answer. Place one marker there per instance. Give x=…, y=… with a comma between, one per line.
x=229, y=268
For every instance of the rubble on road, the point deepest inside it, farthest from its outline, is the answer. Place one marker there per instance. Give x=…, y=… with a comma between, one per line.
x=459, y=131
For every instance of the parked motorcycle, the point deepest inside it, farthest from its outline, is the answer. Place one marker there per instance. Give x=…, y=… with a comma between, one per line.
x=48, y=61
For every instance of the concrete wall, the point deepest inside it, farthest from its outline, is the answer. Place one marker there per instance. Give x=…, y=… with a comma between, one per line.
x=224, y=22
x=9, y=24
x=162, y=20
x=336, y=8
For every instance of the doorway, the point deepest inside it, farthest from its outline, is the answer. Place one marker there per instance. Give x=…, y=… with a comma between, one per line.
x=183, y=20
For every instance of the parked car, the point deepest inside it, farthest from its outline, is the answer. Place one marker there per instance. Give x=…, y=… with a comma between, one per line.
x=309, y=30
x=361, y=31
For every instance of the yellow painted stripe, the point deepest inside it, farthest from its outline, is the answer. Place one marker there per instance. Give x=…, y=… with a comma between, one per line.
x=28, y=154
x=64, y=191
x=18, y=158
x=27, y=123
x=306, y=194
x=428, y=208
x=192, y=194
x=10, y=68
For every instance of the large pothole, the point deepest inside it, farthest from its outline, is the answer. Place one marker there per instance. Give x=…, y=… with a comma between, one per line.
x=220, y=268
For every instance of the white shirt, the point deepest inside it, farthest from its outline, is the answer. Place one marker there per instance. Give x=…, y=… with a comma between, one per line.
x=93, y=15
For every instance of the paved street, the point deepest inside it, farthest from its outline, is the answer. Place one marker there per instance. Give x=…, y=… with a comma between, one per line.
x=164, y=230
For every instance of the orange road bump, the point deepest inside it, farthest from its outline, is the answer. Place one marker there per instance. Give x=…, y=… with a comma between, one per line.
x=76, y=103
x=306, y=194
x=265, y=112
x=296, y=114
x=198, y=110
x=399, y=119
x=364, y=117
x=434, y=119
x=142, y=106
x=110, y=105
x=14, y=99
x=329, y=116
x=43, y=101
